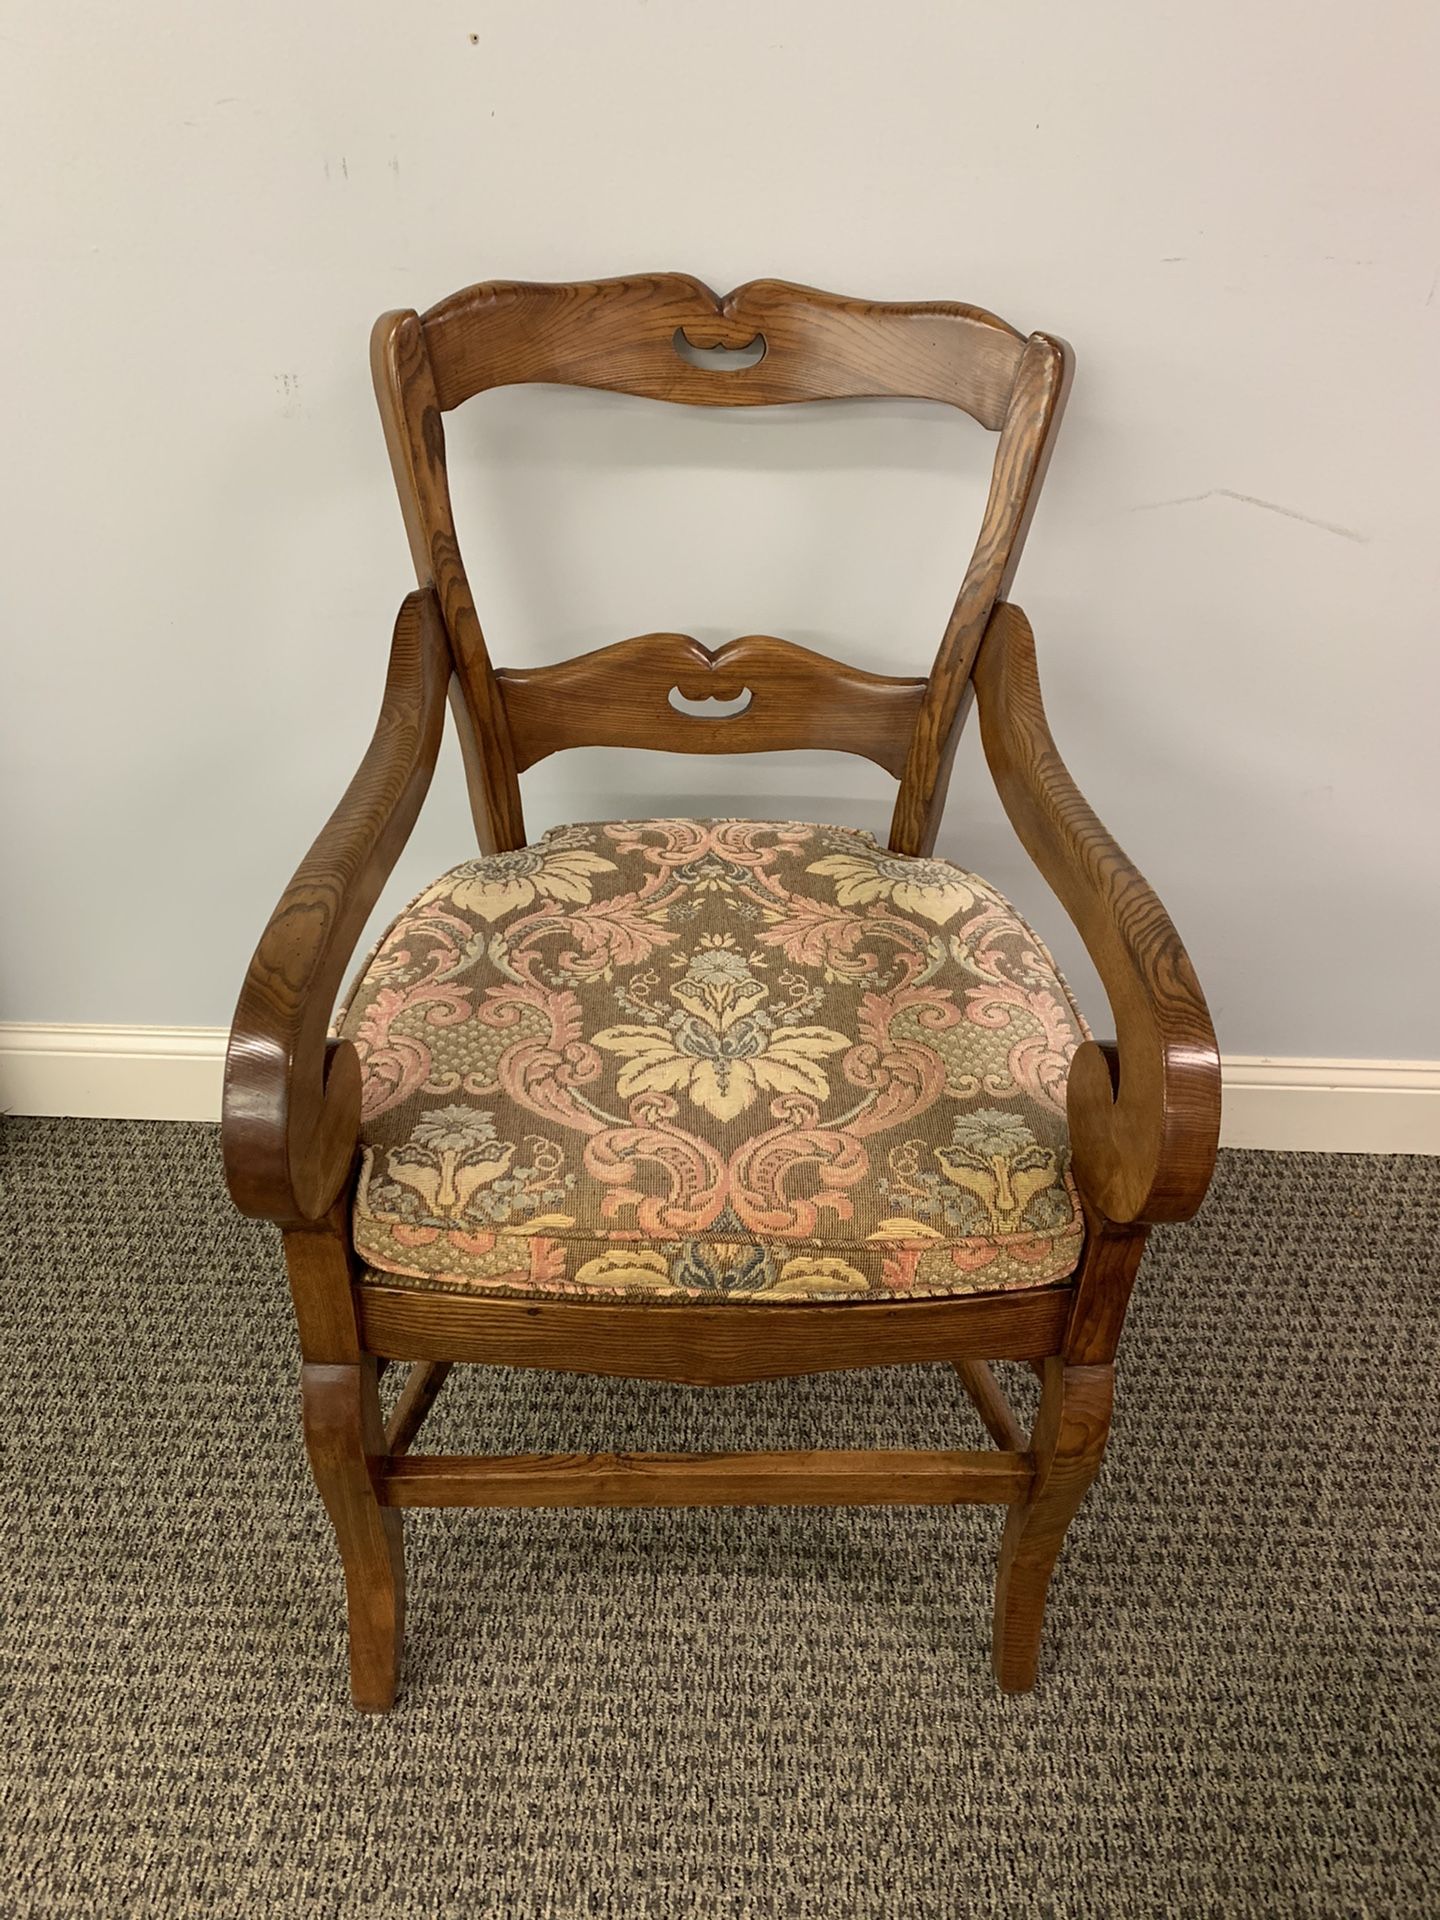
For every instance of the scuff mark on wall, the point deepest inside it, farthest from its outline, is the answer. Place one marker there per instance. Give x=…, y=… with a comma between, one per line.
x=1253, y=500
x=287, y=385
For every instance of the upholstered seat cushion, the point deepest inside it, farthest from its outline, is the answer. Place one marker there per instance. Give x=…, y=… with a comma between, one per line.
x=713, y=1060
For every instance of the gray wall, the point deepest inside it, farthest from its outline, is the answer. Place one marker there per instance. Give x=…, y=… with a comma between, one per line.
x=1233, y=576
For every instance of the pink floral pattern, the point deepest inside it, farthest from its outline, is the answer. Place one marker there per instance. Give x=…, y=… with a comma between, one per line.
x=723, y=1059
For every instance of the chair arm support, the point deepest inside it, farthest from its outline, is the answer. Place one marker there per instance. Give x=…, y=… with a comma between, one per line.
x=1143, y=1128
x=292, y=1098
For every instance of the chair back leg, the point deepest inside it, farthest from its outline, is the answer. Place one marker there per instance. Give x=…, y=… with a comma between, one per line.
x=1068, y=1443
x=344, y=1436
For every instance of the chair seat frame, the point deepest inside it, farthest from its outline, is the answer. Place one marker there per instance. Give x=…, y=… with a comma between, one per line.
x=1143, y=1111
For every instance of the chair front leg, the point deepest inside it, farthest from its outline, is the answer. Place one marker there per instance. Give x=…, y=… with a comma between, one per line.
x=343, y=1435
x=1068, y=1443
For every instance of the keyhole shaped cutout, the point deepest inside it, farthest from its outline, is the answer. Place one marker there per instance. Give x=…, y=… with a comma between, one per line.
x=721, y=359
x=711, y=708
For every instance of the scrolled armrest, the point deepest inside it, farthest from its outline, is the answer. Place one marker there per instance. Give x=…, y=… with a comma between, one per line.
x=1144, y=1117
x=292, y=1099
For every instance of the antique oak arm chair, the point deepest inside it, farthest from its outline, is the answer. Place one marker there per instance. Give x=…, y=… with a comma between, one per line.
x=711, y=1101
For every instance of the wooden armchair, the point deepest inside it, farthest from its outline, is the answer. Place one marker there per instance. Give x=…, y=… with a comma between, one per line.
x=711, y=1101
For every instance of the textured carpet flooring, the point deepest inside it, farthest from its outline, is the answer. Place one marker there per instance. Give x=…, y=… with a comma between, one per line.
x=731, y=1713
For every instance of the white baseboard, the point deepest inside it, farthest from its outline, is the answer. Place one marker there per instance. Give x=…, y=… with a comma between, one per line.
x=1332, y=1106
x=173, y=1073
x=112, y=1073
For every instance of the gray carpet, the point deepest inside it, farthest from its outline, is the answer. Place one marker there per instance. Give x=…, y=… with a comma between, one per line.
x=732, y=1713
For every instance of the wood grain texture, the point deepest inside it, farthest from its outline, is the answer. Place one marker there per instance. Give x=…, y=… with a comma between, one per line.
x=417, y=1397
x=618, y=696
x=291, y=1105
x=320, y=1265
x=1026, y=440
x=1067, y=1447
x=620, y=334
x=988, y=1399
x=703, y=1345
x=344, y=1441
x=1143, y=1140
x=1104, y=1280
x=415, y=437
x=805, y=1479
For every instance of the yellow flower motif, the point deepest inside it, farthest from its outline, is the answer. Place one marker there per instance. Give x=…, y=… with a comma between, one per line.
x=628, y=1269
x=932, y=888
x=721, y=1049
x=810, y=1276
x=498, y=884
x=719, y=1079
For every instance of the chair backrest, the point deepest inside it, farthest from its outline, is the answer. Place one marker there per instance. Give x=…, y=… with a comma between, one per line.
x=646, y=335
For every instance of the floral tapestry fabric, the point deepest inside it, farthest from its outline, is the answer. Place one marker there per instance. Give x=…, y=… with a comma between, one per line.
x=714, y=1060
